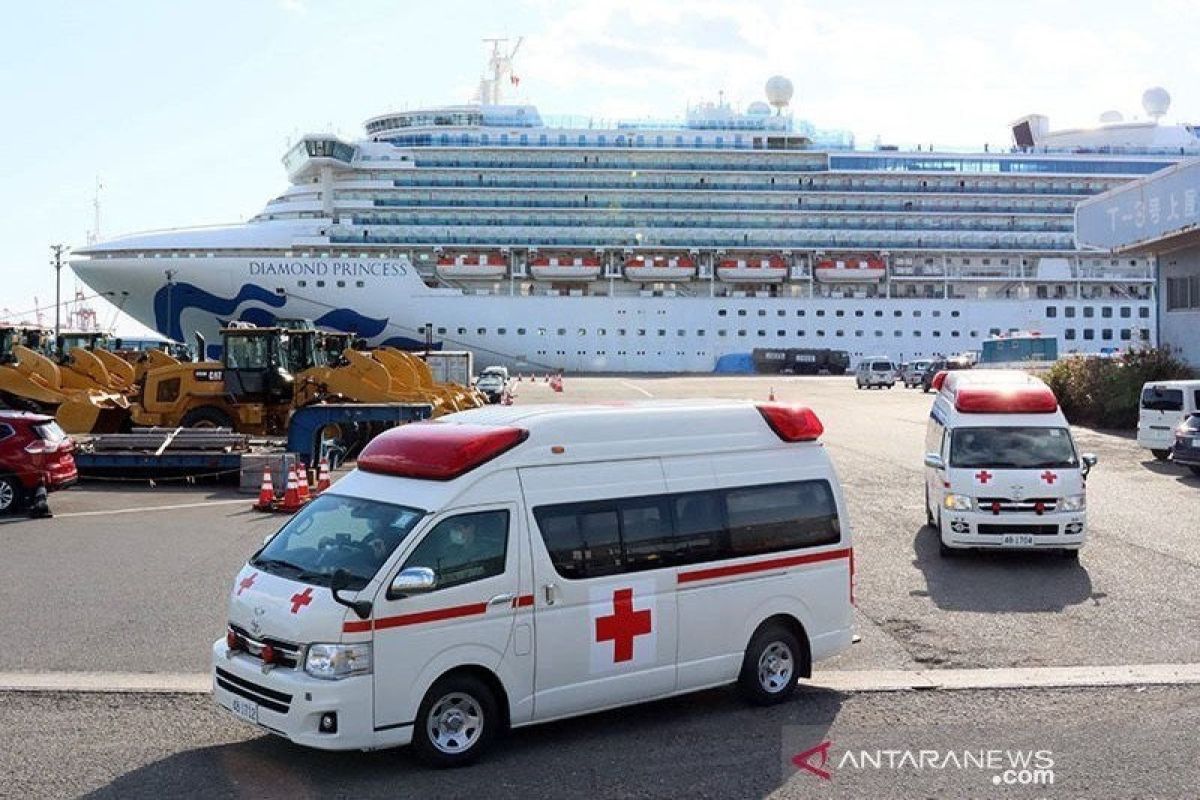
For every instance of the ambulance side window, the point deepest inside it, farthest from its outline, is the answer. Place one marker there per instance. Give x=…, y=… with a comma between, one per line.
x=934, y=436
x=464, y=548
x=767, y=519
x=582, y=542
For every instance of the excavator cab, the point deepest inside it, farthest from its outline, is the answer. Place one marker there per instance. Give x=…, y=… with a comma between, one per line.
x=86, y=340
x=256, y=364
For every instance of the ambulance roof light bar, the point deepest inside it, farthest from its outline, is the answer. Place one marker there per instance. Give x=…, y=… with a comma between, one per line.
x=792, y=423
x=1016, y=399
x=439, y=451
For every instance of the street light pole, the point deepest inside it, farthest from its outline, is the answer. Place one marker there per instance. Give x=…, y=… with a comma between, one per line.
x=58, y=250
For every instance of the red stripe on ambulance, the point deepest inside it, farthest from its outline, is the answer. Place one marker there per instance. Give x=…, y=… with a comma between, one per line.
x=762, y=566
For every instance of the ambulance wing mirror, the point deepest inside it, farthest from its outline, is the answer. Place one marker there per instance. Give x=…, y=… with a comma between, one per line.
x=339, y=581
x=413, y=580
x=1089, y=460
x=934, y=461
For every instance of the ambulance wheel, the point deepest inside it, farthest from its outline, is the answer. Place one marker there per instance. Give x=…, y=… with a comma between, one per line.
x=456, y=722
x=1070, y=554
x=11, y=495
x=206, y=417
x=943, y=550
x=771, y=667
x=928, y=513
x=1161, y=455
x=1195, y=468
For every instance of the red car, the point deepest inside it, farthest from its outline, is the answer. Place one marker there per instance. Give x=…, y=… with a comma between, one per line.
x=33, y=450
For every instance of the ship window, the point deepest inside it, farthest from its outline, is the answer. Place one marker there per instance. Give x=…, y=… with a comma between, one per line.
x=916, y=313
x=741, y=312
x=741, y=333
x=641, y=331
x=1070, y=312
x=937, y=334
x=562, y=331
x=954, y=334
x=1089, y=334
x=1144, y=312
x=360, y=284
x=761, y=332
x=700, y=332
x=781, y=313
x=620, y=331
x=878, y=313
x=341, y=284
x=681, y=332
x=721, y=332
x=662, y=331
x=302, y=284
x=441, y=331
x=1089, y=312
x=762, y=312
x=1126, y=312
x=721, y=312
x=481, y=331
x=799, y=333
x=781, y=333
x=1126, y=334
x=937, y=313
x=954, y=314
x=320, y=284
x=1051, y=312
x=858, y=333
x=820, y=333
x=462, y=331
x=917, y=334
x=858, y=313
x=897, y=313
x=840, y=313
x=541, y=331
x=1106, y=312
x=601, y=331
x=820, y=312
x=581, y=332
x=897, y=334
x=800, y=312
x=502, y=331
x=1106, y=334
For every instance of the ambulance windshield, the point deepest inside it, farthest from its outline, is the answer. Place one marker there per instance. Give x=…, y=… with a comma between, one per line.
x=335, y=532
x=1012, y=448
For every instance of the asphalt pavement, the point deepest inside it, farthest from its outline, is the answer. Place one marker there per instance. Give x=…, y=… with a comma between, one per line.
x=1097, y=743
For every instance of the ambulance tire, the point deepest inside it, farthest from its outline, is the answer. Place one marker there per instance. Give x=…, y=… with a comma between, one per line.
x=928, y=513
x=450, y=697
x=773, y=664
x=1194, y=468
x=1070, y=553
x=1161, y=455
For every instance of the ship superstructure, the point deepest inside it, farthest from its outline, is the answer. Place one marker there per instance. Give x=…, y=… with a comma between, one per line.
x=657, y=246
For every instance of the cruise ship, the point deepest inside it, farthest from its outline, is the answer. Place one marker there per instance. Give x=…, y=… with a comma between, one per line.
x=662, y=246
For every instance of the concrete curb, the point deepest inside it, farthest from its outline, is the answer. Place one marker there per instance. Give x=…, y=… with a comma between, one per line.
x=849, y=681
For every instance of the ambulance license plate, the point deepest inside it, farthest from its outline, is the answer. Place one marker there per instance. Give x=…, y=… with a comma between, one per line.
x=245, y=709
x=1017, y=540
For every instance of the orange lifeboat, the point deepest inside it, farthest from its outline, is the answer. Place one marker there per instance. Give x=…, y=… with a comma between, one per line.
x=754, y=269
x=660, y=268
x=472, y=266
x=855, y=269
x=565, y=268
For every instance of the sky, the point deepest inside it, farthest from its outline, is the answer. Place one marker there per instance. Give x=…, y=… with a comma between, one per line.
x=182, y=110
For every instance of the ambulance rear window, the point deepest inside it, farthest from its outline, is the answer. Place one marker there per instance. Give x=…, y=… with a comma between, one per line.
x=1012, y=448
x=1157, y=398
x=881, y=366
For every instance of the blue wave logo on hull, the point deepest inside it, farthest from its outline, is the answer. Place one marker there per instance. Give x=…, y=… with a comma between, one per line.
x=173, y=299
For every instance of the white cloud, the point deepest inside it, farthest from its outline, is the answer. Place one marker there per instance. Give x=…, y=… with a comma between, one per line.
x=293, y=6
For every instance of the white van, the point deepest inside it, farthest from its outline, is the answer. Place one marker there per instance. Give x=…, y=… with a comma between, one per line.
x=875, y=371
x=511, y=565
x=1164, y=405
x=1002, y=470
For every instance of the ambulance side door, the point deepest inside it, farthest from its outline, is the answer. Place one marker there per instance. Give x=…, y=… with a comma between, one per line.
x=935, y=440
x=605, y=619
x=467, y=618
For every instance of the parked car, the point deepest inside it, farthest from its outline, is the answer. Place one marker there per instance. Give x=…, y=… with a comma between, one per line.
x=941, y=365
x=875, y=372
x=1163, y=407
x=33, y=450
x=1187, y=443
x=492, y=386
x=913, y=373
x=495, y=370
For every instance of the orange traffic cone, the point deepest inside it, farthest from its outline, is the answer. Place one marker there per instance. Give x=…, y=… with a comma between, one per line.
x=546, y=379
x=520, y=377
x=291, y=498
x=266, y=495
x=323, y=475
x=506, y=399
x=302, y=483
x=771, y=394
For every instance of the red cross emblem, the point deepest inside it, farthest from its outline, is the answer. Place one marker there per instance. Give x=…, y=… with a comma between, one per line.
x=302, y=599
x=983, y=476
x=1049, y=477
x=246, y=583
x=623, y=625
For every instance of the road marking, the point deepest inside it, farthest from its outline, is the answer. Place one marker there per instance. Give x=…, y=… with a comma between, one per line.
x=848, y=681
x=629, y=385
x=71, y=514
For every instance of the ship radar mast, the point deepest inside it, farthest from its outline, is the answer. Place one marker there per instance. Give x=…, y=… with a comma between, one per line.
x=500, y=65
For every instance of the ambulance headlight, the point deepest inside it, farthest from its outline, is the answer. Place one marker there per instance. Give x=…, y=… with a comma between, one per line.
x=1074, y=502
x=333, y=661
x=957, y=502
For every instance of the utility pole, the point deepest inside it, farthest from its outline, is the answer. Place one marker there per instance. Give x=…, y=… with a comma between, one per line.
x=58, y=250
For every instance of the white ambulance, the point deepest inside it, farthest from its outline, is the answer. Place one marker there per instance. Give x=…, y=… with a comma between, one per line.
x=511, y=565
x=1162, y=408
x=1001, y=468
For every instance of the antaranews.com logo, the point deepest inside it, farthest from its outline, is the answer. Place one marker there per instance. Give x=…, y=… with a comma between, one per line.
x=1006, y=767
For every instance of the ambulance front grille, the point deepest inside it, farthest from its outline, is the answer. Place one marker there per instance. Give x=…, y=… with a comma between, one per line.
x=287, y=654
x=1000, y=530
x=1008, y=505
x=271, y=699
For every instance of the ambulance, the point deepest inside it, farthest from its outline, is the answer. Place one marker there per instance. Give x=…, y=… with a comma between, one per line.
x=1001, y=468
x=511, y=565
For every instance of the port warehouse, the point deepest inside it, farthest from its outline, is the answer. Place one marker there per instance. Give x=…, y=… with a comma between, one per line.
x=1157, y=216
